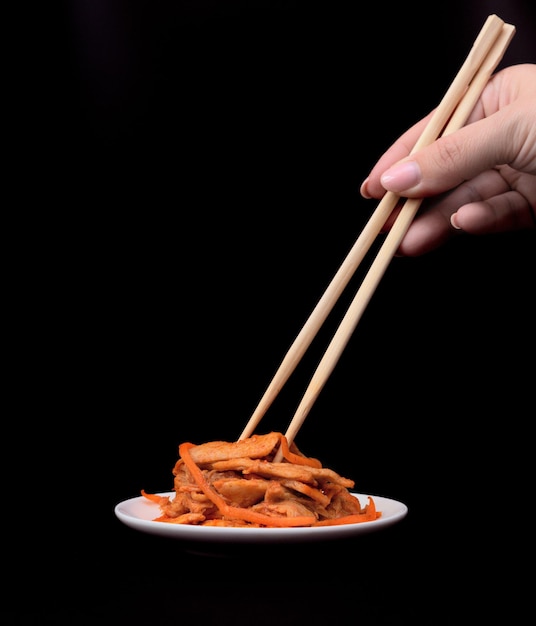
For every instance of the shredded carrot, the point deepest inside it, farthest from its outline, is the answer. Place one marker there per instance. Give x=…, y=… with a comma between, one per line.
x=197, y=475
x=160, y=500
x=296, y=458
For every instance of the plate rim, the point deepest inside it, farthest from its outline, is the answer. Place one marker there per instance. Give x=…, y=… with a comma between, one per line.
x=221, y=534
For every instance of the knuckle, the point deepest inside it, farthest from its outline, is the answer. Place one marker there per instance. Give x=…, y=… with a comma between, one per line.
x=449, y=154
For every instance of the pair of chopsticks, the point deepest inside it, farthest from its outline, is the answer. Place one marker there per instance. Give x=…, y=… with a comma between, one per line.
x=450, y=115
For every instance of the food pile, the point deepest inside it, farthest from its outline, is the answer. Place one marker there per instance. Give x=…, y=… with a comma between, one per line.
x=238, y=484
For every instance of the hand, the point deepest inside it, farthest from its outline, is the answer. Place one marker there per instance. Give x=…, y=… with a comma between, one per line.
x=480, y=179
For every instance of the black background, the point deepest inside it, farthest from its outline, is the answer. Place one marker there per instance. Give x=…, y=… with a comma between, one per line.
x=189, y=184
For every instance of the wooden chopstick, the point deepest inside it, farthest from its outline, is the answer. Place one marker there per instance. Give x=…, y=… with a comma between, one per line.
x=484, y=56
x=486, y=69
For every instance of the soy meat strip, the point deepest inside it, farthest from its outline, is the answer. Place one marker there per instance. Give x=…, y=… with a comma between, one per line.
x=283, y=470
x=238, y=484
x=256, y=447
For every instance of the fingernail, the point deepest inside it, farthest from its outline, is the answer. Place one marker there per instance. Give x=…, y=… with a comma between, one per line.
x=363, y=189
x=401, y=177
x=454, y=221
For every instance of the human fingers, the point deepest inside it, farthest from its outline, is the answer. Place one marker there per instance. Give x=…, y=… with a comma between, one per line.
x=372, y=187
x=507, y=136
x=501, y=129
x=515, y=209
x=432, y=227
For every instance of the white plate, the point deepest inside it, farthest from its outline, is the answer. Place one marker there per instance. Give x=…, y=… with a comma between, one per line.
x=138, y=513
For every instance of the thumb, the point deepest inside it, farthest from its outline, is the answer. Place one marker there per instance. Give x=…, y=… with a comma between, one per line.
x=454, y=158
